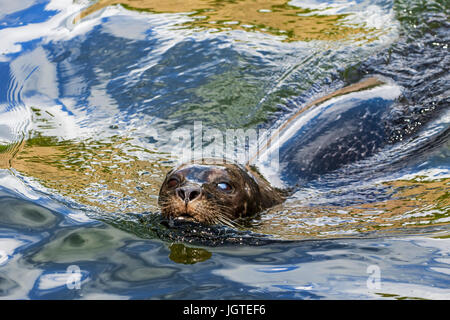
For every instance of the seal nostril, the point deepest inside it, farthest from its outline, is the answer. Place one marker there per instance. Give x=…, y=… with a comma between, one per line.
x=194, y=194
x=181, y=194
x=188, y=193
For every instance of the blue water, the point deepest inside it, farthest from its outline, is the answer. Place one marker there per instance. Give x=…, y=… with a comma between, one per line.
x=86, y=113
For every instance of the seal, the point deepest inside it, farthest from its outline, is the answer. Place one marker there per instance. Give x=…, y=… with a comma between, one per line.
x=214, y=194
x=334, y=130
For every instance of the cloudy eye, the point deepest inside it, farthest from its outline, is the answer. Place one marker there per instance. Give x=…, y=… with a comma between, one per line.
x=224, y=186
x=172, y=183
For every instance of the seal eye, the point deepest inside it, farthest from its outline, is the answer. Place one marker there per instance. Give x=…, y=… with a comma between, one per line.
x=172, y=183
x=223, y=186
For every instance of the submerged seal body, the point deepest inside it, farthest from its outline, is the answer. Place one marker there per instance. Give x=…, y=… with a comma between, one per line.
x=335, y=130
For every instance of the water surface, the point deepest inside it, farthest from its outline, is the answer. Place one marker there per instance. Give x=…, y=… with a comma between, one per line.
x=90, y=95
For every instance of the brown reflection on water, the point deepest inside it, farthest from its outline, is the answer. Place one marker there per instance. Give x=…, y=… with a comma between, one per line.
x=106, y=175
x=181, y=253
x=414, y=204
x=276, y=17
x=7, y=153
x=103, y=174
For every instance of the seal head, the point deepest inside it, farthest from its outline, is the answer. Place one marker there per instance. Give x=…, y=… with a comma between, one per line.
x=214, y=193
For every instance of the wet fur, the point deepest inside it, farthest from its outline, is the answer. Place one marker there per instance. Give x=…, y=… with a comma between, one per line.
x=251, y=194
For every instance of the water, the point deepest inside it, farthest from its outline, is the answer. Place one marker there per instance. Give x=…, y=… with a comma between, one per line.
x=89, y=97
